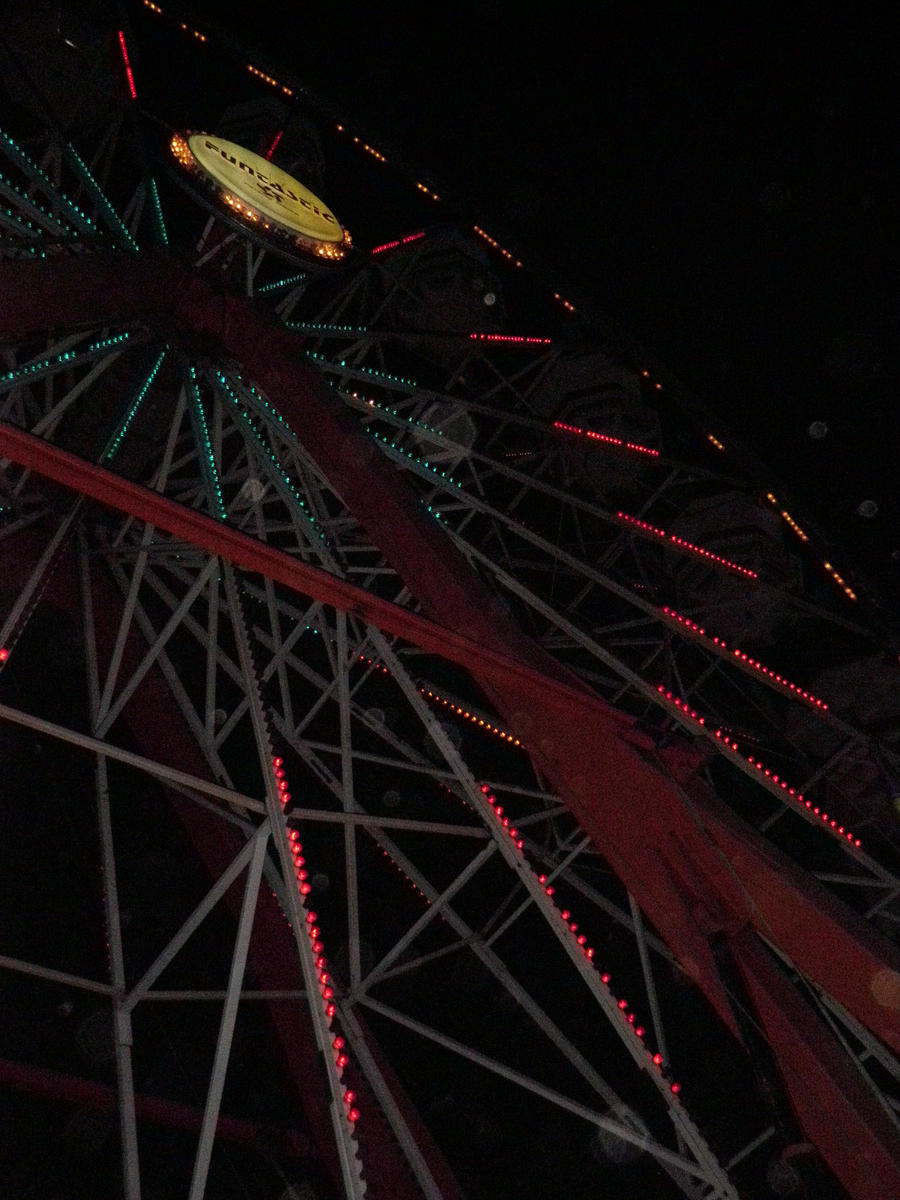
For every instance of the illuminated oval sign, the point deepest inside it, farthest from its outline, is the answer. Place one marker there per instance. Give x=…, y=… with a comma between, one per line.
x=261, y=194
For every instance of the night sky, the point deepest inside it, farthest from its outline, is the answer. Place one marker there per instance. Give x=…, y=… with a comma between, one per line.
x=718, y=181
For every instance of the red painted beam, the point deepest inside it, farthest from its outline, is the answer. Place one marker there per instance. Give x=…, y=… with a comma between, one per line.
x=246, y=552
x=826, y=1091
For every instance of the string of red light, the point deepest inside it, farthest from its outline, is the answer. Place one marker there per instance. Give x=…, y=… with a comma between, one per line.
x=326, y=989
x=768, y=778
x=580, y=940
x=654, y=531
x=129, y=76
x=403, y=241
x=506, y=824
x=509, y=337
x=741, y=658
x=593, y=435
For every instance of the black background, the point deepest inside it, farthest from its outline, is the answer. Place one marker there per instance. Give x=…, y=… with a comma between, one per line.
x=718, y=180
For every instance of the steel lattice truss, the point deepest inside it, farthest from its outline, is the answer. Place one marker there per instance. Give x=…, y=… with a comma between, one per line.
x=446, y=702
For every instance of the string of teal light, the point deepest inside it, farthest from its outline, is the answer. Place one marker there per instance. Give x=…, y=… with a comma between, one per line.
x=281, y=479
x=27, y=164
x=67, y=358
x=207, y=458
x=125, y=424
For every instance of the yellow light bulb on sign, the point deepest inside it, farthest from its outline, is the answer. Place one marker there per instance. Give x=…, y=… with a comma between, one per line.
x=261, y=194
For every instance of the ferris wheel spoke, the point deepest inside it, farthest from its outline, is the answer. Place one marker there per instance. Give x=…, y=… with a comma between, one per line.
x=66, y=186
x=407, y=864
x=511, y=852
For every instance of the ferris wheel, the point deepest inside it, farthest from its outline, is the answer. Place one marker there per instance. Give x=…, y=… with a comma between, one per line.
x=437, y=763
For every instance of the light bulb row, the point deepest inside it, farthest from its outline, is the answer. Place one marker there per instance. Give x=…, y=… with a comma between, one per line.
x=715, y=442
x=243, y=210
x=125, y=425
x=71, y=358
x=743, y=658
x=795, y=528
x=99, y=195
x=569, y=307
x=270, y=80
x=273, y=145
x=495, y=245
x=323, y=977
x=201, y=37
x=512, y=338
x=70, y=231
x=480, y=720
x=412, y=883
x=787, y=518
x=606, y=438
x=392, y=412
x=369, y=149
x=158, y=212
x=211, y=469
x=322, y=327
x=646, y=375
x=129, y=75
x=283, y=478
x=421, y=462
x=260, y=399
x=334, y=366
x=467, y=714
x=768, y=778
x=839, y=580
x=31, y=168
x=27, y=227
x=682, y=544
x=579, y=938
x=403, y=241
x=511, y=832
x=278, y=284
